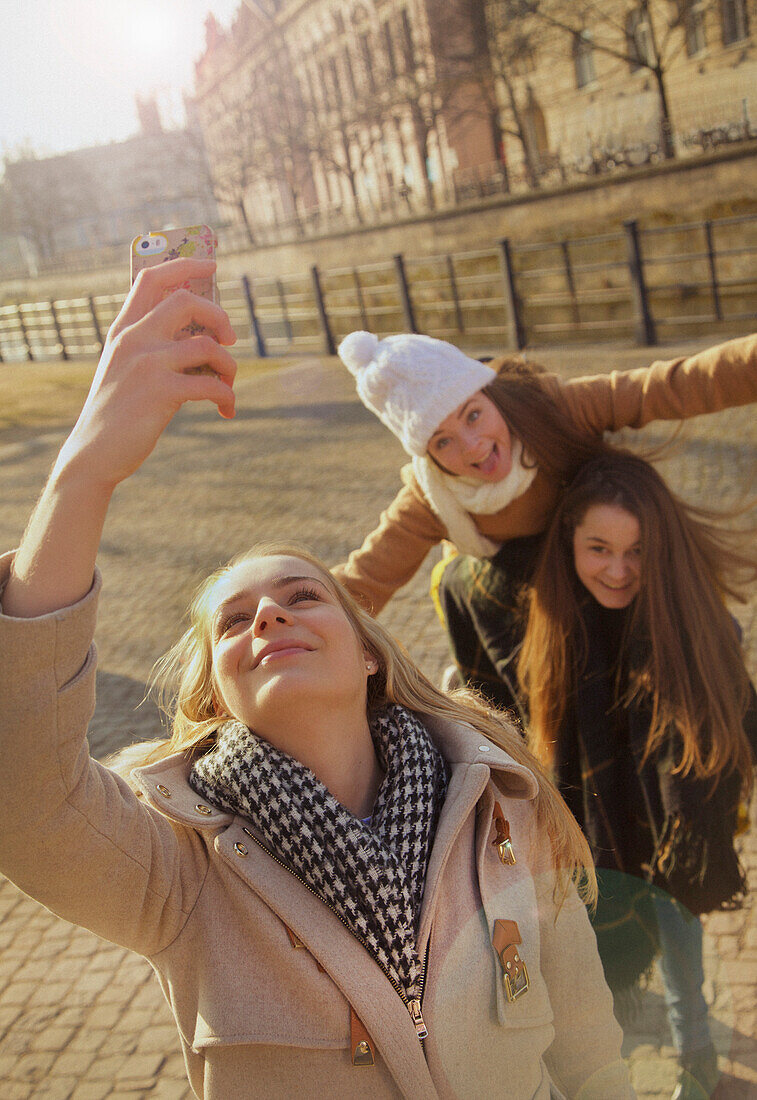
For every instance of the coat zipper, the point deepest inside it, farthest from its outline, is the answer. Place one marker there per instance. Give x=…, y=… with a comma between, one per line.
x=413, y=1006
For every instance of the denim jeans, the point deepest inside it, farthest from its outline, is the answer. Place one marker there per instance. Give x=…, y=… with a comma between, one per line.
x=682, y=972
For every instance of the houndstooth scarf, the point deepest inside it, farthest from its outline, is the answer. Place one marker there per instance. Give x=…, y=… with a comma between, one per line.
x=373, y=874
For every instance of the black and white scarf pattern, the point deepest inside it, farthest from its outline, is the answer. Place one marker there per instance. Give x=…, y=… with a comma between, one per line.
x=372, y=875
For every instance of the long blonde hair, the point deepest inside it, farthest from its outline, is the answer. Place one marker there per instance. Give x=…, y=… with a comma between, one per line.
x=694, y=675
x=182, y=681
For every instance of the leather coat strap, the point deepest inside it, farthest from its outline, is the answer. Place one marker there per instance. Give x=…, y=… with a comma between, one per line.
x=361, y=1045
x=506, y=940
x=502, y=836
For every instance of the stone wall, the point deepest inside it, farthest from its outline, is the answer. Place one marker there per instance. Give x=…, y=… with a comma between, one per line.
x=714, y=185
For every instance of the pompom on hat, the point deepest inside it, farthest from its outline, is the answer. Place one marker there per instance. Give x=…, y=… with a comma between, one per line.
x=412, y=383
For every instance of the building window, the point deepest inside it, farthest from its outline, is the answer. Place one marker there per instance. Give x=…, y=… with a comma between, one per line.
x=310, y=85
x=408, y=48
x=696, y=37
x=347, y=63
x=367, y=56
x=336, y=86
x=389, y=45
x=583, y=59
x=328, y=97
x=735, y=21
x=639, y=41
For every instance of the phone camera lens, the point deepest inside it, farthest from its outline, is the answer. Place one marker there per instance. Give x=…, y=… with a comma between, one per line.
x=144, y=244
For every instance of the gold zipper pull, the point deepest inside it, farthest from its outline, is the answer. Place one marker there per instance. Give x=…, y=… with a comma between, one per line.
x=414, y=1008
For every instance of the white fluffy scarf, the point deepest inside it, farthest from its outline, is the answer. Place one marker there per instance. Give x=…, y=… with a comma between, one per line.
x=455, y=499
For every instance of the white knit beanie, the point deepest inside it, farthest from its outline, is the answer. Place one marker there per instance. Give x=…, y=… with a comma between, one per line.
x=412, y=383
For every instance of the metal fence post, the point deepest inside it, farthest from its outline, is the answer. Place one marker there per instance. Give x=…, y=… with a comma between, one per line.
x=404, y=289
x=24, y=333
x=322, y=314
x=284, y=311
x=59, y=331
x=645, y=326
x=95, y=322
x=360, y=299
x=455, y=296
x=713, y=270
x=517, y=332
x=565, y=248
x=254, y=317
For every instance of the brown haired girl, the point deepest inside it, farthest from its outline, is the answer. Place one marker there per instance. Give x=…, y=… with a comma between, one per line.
x=492, y=448
x=341, y=876
x=640, y=704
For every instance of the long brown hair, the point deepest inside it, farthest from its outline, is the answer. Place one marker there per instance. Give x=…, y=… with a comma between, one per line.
x=549, y=438
x=183, y=683
x=694, y=674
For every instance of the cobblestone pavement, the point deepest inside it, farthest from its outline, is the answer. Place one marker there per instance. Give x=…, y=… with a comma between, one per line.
x=81, y=1018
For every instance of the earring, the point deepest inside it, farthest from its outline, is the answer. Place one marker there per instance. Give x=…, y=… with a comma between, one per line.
x=371, y=666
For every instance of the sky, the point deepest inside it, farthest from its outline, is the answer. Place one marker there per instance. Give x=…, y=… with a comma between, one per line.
x=71, y=68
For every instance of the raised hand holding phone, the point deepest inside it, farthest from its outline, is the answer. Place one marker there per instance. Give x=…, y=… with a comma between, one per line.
x=191, y=242
x=145, y=372
x=143, y=378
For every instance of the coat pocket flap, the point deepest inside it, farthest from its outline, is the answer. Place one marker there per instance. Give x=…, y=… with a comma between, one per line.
x=272, y=1029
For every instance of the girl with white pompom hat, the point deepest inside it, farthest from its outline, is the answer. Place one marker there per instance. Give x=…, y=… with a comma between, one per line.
x=492, y=446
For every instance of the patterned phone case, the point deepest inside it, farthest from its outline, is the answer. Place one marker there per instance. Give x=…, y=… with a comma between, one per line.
x=198, y=241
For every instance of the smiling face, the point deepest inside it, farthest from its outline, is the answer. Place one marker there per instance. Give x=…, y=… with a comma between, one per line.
x=607, y=554
x=473, y=441
x=280, y=637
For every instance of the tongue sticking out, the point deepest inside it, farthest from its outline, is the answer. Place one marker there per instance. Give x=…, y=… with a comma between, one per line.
x=489, y=463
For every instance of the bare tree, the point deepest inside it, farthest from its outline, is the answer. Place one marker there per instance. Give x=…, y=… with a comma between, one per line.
x=431, y=86
x=230, y=140
x=472, y=41
x=649, y=35
x=43, y=194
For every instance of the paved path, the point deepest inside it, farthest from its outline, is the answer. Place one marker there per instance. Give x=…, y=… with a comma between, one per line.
x=303, y=460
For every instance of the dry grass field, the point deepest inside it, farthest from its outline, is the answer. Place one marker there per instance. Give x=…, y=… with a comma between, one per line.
x=48, y=395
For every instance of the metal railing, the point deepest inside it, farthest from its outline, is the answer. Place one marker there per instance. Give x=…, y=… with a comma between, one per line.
x=630, y=284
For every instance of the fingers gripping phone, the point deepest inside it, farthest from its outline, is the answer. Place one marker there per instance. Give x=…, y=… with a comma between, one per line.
x=197, y=241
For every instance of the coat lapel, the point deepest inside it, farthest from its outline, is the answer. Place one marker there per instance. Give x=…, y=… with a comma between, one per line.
x=351, y=968
x=343, y=957
x=471, y=758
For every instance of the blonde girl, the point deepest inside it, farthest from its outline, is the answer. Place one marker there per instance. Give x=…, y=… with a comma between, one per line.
x=340, y=876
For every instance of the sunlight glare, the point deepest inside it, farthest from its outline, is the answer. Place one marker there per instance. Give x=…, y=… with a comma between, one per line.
x=149, y=30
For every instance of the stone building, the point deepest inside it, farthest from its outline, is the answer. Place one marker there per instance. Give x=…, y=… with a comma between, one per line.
x=90, y=199
x=317, y=114
x=616, y=88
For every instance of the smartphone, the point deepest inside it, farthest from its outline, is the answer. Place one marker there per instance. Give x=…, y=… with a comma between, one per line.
x=198, y=241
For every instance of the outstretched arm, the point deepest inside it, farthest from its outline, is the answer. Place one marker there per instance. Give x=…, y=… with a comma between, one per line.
x=140, y=383
x=718, y=378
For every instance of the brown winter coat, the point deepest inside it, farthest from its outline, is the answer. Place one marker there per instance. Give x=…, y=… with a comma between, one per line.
x=718, y=378
x=194, y=891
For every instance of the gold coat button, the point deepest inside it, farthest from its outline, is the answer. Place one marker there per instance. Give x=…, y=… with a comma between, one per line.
x=200, y=809
x=163, y=790
x=240, y=849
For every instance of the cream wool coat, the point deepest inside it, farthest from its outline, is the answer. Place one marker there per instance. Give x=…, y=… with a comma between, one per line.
x=721, y=377
x=193, y=890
